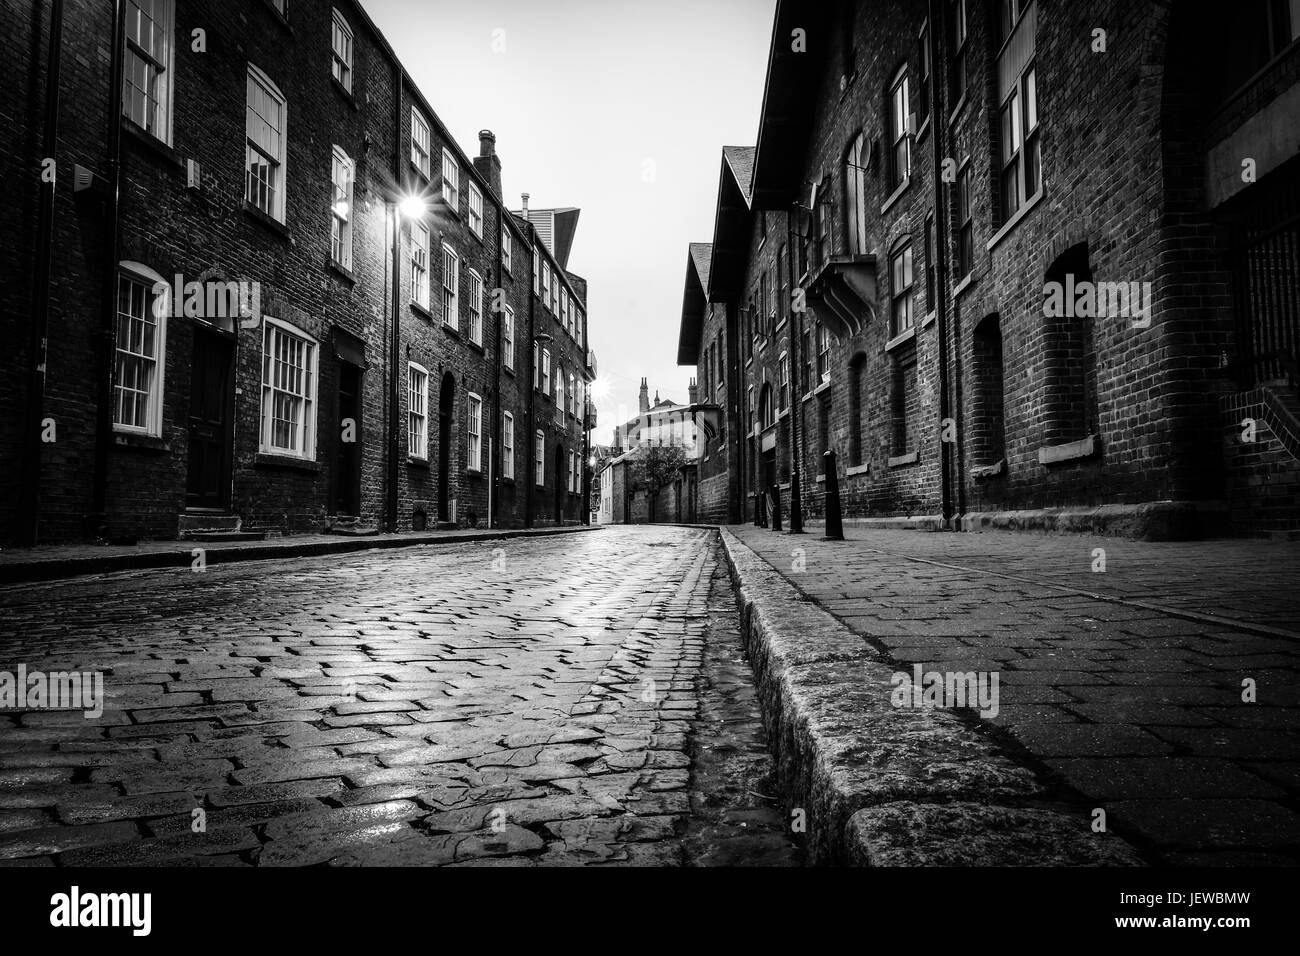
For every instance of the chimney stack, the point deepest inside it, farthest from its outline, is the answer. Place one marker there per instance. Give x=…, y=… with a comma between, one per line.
x=693, y=392
x=645, y=397
x=525, y=205
x=487, y=162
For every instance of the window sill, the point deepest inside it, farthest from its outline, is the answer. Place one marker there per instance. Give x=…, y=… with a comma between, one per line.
x=452, y=330
x=509, y=370
x=956, y=110
x=1011, y=223
x=424, y=177
x=902, y=461
x=420, y=310
x=963, y=285
x=902, y=338
x=985, y=472
x=476, y=473
x=476, y=346
x=898, y=191
x=416, y=462
x=152, y=144
x=856, y=470
x=273, y=460
x=508, y=480
x=344, y=92
x=929, y=319
x=1071, y=451
x=138, y=442
x=826, y=383
x=270, y=223
x=925, y=128
x=342, y=271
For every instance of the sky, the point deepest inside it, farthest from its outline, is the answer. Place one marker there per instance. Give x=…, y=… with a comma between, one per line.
x=618, y=107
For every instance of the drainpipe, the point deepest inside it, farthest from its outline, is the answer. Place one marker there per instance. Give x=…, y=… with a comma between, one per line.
x=29, y=525
x=937, y=25
x=494, y=491
x=532, y=373
x=796, y=401
x=394, y=332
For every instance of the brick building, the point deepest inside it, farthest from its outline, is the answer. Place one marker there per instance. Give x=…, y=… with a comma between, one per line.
x=1022, y=263
x=278, y=295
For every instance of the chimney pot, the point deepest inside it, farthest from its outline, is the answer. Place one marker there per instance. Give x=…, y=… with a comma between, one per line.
x=487, y=142
x=525, y=205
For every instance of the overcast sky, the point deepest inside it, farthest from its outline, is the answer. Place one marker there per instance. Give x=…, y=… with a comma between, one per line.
x=618, y=107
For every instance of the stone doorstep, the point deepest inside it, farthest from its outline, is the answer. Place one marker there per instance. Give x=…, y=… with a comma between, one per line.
x=882, y=785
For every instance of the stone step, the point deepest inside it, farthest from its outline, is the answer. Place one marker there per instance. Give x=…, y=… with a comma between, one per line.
x=224, y=536
x=191, y=525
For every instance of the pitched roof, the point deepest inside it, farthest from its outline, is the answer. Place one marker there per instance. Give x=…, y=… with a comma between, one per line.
x=702, y=257
x=699, y=261
x=741, y=161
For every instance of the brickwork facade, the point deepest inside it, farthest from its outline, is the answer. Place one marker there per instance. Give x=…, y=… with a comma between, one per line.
x=273, y=152
x=943, y=178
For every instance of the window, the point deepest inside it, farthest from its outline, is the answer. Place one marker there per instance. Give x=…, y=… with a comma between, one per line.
x=288, y=391
x=577, y=324
x=264, y=161
x=1250, y=39
x=805, y=349
x=766, y=407
x=474, y=431
x=564, y=311
x=476, y=210
x=930, y=304
x=1019, y=157
x=546, y=284
x=450, y=181
x=900, y=150
x=420, y=264
x=475, y=307
x=824, y=224
x=923, y=87
x=546, y=371
x=783, y=381
x=904, y=402
x=450, y=287
x=507, y=247
x=965, y=227
x=957, y=52
x=763, y=320
x=417, y=411
x=555, y=294
x=147, y=68
x=857, y=376
x=341, y=210
x=559, y=388
x=855, y=196
x=507, y=445
x=573, y=394
x=419, y=142
x=508, y=338
x=537, y=271
x=749, y=405
x=138, y=361
x=901, y=292
x=823, y=353
x=341, y=45
x=537, y=365
x=539, y=458
x=987, y=434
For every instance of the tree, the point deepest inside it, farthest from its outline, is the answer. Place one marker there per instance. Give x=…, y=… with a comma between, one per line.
x=655, y=468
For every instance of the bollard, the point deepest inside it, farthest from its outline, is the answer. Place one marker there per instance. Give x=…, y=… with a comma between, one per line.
x=758, y=512
x=834, y=526
x=796, y=504
x=776, y=507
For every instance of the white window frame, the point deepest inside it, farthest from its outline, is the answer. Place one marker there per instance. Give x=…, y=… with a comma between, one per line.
x=537, y=271
x=546, y=371
x=507, y=445
x=417, y=411
x=476, y=210
x=450, y=181
x=508, y=338
x=559, y=387
x=474, y=432
x=341, y=51
x=507, y=251
x=475, y=307
x=156, y=299
x=275, y=187
x=157, y=65
x=546, y=283
x=572, y=398
x=539, y=458
x=420, y=264
x=450, y=287
x=420, y=142
x=305, y=448
x=341, y=209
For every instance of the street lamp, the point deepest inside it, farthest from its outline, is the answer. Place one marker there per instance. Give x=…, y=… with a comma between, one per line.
x=408, y=206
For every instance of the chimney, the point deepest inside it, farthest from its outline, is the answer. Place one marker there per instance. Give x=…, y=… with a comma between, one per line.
x=693, y=392
x=645, y=397
x=525, y=205
x=487, y=162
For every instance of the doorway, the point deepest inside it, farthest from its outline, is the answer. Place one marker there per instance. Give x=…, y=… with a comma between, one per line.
x=559, y=484
x=207, y=480
x=446, y=404
x=346, y=471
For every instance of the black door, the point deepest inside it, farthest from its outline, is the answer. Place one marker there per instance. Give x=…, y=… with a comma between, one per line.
x=207, y=483
x=346, y=473
x=446, y=400
x=560, y=476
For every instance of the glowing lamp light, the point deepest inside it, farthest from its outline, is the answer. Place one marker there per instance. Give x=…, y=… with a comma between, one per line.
x=599, y=388
x=412, y=207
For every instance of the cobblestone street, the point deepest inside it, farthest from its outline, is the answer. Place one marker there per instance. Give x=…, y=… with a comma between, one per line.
x=569, y=700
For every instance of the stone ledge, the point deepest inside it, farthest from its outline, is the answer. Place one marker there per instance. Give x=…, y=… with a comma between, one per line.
x=1146, y=521
x=840, y=745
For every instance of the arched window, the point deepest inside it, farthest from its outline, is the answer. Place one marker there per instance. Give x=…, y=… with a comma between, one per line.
x=855, y=197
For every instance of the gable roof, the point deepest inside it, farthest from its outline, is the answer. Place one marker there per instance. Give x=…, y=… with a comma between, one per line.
x=731, y=224
x=699, y=259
